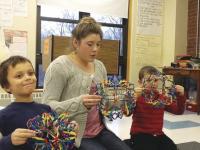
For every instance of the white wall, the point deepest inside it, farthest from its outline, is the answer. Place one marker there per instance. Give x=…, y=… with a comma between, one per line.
x=132, y=67
x=175, y=30
x=174, y=37
x=24, y=24
x=181, y=27
x=169, y=32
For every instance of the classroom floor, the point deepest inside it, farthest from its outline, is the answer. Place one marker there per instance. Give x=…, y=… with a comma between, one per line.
x=180, y=128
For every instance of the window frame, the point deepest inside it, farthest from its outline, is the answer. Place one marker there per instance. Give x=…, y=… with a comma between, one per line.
x=122, y=59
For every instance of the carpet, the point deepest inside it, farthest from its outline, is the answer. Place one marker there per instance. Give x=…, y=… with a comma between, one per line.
x=189, y=146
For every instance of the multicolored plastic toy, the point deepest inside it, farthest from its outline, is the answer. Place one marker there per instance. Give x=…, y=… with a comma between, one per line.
x=163, y=95
x=53, y=131
x=117, y=98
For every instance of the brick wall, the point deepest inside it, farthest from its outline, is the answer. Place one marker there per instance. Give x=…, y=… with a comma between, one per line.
x=192, y=36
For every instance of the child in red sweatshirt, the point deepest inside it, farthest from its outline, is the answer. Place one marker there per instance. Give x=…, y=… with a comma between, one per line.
x=146, y=130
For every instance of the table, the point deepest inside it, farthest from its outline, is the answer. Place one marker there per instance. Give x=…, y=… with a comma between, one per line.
x=186, y=72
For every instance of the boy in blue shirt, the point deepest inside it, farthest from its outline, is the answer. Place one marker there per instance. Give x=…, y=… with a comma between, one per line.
x=17, y=77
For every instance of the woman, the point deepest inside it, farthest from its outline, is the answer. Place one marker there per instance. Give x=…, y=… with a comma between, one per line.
x=67, y=86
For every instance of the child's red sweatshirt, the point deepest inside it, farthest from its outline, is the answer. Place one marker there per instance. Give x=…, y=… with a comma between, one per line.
x=148, y=119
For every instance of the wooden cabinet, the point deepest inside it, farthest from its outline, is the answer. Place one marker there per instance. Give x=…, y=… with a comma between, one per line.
x=54, y=46
x=186, y=72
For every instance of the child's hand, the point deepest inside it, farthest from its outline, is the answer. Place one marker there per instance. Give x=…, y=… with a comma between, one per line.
x=180, y=89
x=20, y=136
x=1, y=136
x=138, y=92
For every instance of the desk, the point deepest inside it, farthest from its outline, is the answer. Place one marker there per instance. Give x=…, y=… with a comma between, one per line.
x=186, y=72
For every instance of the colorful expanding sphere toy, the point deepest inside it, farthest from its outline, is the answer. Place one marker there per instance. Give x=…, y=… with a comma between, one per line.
x=158, y=90
x=117, y=98
x=53, y=131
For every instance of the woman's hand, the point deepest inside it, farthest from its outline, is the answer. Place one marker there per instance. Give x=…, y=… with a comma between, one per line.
x=75, y=126
x=20, y=136
x=90, y=100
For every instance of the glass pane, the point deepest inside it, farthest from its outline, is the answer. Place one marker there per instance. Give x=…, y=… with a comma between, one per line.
x=113, y=33
x=55, y=12
x=40, y=77
x=107, y=19
x=56, y=28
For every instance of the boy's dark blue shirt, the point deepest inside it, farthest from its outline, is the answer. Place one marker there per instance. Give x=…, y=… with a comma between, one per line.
x=16, y=116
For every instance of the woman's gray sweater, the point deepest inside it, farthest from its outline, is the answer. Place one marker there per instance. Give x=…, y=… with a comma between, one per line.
x=64, y=83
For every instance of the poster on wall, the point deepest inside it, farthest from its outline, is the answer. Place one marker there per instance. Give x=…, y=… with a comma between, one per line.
x=20, y=7
x=6, y=13
x=150, y=14
x=16, y=42
x=149, y=31
x=4, y=52
x=10, y=8
x=148, y=50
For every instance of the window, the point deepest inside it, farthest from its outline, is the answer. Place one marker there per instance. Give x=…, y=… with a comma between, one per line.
x=40, y=77
x=58, y=21
x=111, y=20
x=55, y=28
x=55, y=12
